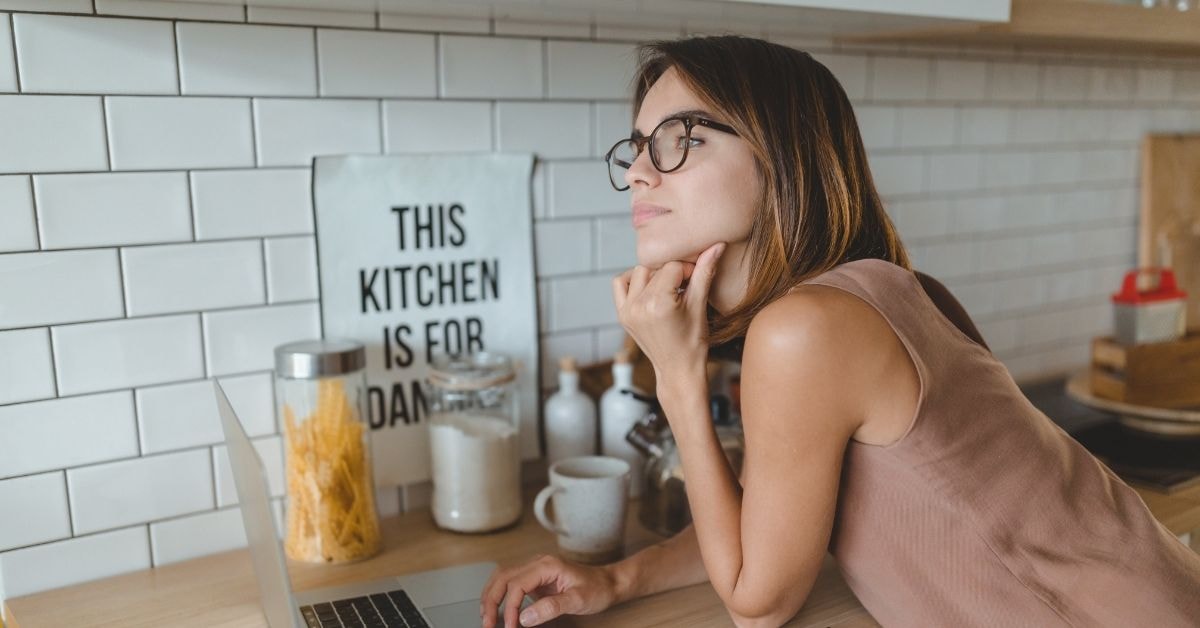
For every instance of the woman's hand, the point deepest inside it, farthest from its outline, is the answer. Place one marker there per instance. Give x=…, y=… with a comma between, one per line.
x=665, y=318
x=558, y=586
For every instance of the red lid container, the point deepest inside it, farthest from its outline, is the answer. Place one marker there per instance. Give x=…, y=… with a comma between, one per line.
x=1167, y=290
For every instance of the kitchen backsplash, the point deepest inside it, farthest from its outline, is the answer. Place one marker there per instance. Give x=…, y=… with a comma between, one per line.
x=156, y=226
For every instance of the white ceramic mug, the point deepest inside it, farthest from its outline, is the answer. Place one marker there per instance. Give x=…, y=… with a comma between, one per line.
x=591, y=496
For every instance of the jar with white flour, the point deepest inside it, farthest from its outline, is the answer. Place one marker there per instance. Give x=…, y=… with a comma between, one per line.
x=475, y=448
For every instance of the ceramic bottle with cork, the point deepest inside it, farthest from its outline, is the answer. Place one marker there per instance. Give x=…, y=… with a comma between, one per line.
x=619, y=412
x=570, y=417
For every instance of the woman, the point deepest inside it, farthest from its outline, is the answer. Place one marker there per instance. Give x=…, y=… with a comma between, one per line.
x=875, y=428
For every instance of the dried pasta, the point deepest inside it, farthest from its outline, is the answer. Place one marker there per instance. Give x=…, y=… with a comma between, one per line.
x=331, y=502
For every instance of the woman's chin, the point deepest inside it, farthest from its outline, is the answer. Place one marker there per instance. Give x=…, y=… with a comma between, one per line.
x=653, y=255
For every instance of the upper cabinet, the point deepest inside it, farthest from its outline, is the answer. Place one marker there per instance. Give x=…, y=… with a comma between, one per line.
x=1097, y=25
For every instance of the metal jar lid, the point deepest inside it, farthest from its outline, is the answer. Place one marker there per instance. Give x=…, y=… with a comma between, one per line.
x=306, y=359
x=471, y=372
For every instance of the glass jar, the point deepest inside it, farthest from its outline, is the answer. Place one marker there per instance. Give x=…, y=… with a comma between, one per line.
x=474, y=446
x=320, y=389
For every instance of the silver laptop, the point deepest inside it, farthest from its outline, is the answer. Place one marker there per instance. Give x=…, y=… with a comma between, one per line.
x=444, y=598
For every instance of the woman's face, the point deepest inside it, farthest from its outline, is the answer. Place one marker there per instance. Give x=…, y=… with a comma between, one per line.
x=711, y=198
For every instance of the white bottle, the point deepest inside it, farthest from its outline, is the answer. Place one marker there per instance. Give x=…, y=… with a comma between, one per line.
x=618, y=413
x=570, y=417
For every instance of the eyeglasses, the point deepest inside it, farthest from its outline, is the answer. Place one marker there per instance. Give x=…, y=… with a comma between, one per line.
x=669, y=143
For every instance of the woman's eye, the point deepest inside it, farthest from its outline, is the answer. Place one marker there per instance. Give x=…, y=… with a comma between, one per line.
x=679, y=142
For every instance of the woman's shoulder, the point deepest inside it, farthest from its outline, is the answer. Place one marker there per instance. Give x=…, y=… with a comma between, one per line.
x=820, y=317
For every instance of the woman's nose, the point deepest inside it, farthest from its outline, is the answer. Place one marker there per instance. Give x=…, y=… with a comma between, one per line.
x=642, y=170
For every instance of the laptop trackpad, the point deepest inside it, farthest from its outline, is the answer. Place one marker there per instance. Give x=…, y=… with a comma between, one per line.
x=464, y=614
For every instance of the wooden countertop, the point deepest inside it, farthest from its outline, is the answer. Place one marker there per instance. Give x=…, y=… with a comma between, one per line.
x=221, y=589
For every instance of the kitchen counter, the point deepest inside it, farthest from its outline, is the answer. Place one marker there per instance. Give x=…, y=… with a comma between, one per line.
x=221, y=590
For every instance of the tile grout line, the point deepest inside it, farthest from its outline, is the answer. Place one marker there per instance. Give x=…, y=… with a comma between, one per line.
x=12, y=36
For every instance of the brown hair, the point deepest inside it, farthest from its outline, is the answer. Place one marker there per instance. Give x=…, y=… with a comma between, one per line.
x=819, y=206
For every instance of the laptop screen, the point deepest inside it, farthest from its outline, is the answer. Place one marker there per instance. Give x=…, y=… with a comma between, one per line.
x=265, y=550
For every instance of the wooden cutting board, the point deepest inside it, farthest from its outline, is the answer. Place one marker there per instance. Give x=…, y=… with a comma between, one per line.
x=1170, y=213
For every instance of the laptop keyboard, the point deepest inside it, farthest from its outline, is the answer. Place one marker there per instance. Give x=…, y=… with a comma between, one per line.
x=393, y=609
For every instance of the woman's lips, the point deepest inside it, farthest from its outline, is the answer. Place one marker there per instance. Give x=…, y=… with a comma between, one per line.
x=643, y=212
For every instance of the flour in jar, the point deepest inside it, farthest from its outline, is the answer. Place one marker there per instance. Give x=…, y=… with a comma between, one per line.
x=476, y=471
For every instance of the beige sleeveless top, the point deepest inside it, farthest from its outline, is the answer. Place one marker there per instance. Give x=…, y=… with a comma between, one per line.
x=986, y=513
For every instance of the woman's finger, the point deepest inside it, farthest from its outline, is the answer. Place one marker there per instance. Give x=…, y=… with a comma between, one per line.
x=538, y=574
x=667, y=279
x=620, y=287
x=637, y=281
x=547, y=608
x=706, y=267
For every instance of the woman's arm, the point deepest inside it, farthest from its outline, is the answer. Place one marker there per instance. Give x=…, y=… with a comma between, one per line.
x=807, y=371
x=671, y=564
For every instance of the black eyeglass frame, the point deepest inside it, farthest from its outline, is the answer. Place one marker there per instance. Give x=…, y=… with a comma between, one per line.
x=639, y=143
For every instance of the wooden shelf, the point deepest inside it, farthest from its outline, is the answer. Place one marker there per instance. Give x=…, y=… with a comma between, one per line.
x=1085, y=25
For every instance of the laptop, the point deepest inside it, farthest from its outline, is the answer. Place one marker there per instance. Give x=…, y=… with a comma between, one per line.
x=442, y=598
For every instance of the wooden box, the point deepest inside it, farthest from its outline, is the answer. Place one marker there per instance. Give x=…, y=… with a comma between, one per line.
x=1161, y=374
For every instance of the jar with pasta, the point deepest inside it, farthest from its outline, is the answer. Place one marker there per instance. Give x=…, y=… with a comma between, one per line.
x=320, y=389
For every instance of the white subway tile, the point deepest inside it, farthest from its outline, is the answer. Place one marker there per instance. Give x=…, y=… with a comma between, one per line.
x=1153, y=84
x=978, y=215
x=614, y=121
x=8, y=66
x=487, y=67
x=291, y=269
x=1019, y=293
x=178, y=416
x=172, y=8
x=539, y=190
x=237, y=341
x=356, y=63
x=104, y=209
x=291, y=132
x=949, y=260
x=465, y=20
x=984, y=126
x=1012, y=81
x=84, y=55
x=17, y=215
x=922, y=219
x=616, y=244
x=52, y=133
x=127, y=353
x=849, y=69
x=578, y=69
x=928, y=126
x=878, y=126
x=437, y=126
x=609, y=340
x=898, y=174
x=270, y=451
x=54, y=565
x=145, y=489
x=26, y=372
x=1003, y=254
x=1084, y=125
x=959, y=80
x=417, y=496
x=539, y=28
x=581, y=188
x=1107, y=164
x=39, y=503
x=583, y=302
x=193, y=536
x=1002, y=170
x=1110, y=84
x=550, y=130
x=101, y=427
x=563, y=247
x=954, y=172
x=389, y=501
x=283, y=15
x=246, y=60
x=48, y=6
x=1036, y=125
x=252, y=203
x=1065, y=83
x=613, y=29
x=175, y=133
x=900, y=78
x=87, y=286
x=193, y=276
x=554, y=347
x=1060, y=166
